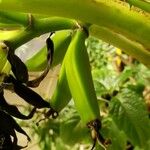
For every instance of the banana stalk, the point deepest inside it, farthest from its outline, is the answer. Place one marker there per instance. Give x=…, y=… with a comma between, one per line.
x=80, y=82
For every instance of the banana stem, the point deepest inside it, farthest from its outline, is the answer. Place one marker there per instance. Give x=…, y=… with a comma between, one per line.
x=14, y=17
x=111, y=14
x=9, y=26
x=36, y=27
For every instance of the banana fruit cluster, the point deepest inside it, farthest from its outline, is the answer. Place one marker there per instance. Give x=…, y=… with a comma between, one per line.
x=75, y=81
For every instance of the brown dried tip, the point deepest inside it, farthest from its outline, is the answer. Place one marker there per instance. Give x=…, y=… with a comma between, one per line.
x=95, y=126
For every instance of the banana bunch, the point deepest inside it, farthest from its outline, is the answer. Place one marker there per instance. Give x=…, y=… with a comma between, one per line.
x=75, y=81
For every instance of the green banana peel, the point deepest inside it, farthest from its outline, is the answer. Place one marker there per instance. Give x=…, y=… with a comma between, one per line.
x=80, y=79
x=63, y=37
x=81, y=86
x=61, y=41
x=61, y=95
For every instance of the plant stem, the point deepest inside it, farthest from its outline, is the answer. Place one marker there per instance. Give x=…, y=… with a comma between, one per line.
x=37, y=27
x=110, y=14
x=17, y=18
x=14, y=17
x=9, y=26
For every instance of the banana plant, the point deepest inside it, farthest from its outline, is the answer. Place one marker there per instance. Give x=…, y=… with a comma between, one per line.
x=116, y=22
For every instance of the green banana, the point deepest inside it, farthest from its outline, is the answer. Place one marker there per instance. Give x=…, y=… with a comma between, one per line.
x=79, y=78
x=60, y=40
x=62, y=95
x=80, y=82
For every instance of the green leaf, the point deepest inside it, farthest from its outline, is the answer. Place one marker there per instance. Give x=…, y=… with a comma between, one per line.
x=72, y=131
x=128, y=110
x=104, y=81
x=124, y=76
x=142, y=74
x=111, y=131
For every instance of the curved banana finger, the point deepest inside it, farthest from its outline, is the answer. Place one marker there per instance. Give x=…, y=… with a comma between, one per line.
x=62, y=95
x=80, y=82
x=79, y=78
